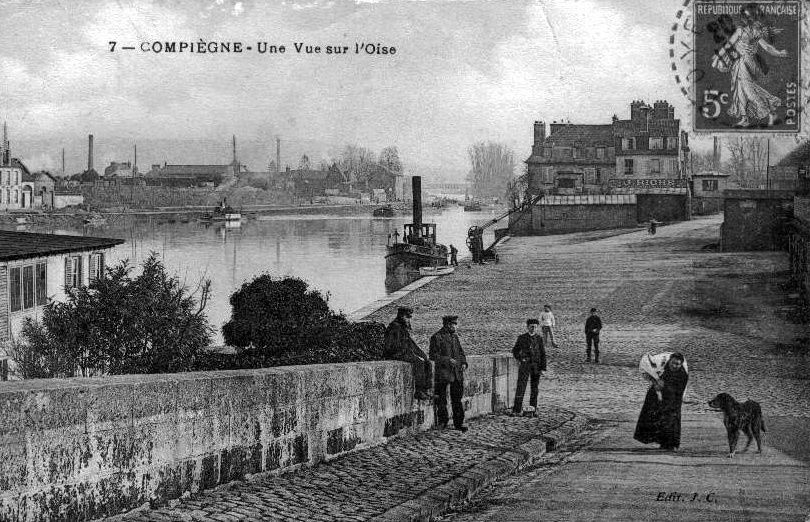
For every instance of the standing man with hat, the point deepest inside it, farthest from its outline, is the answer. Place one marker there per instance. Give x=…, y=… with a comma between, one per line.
x=400, y=346
x=531, y=355
x=446, y=350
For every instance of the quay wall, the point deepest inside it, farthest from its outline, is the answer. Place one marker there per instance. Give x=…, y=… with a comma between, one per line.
x=83, y=448
x=564, y=219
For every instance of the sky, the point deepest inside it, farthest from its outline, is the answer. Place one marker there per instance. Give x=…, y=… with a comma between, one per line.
x=464, y=71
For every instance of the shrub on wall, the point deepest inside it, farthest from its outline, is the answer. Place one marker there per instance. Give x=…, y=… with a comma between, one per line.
x=283, y=321
x=151, y=323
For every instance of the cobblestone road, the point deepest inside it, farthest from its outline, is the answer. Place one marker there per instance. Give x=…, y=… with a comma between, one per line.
x=366, y=484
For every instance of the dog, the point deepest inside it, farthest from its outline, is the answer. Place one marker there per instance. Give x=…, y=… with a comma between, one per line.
x=745, y=417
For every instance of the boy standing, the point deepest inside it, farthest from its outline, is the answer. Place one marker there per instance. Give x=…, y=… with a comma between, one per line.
x=593, y=325
x=548, y=323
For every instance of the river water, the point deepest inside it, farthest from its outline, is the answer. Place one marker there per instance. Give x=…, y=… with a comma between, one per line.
x=342, y=256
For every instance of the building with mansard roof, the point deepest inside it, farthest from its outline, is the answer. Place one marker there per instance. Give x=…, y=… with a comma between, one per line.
x=644, y=153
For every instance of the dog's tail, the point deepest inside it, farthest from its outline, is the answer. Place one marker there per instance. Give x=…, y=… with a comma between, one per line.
x=762, y=425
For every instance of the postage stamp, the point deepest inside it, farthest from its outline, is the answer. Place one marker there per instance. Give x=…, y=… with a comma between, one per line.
x=747, y=66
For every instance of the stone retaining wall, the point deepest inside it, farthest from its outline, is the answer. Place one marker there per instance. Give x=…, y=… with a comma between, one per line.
x=90, y=447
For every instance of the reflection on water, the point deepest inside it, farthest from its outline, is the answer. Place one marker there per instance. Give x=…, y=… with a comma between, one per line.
x=341, y=256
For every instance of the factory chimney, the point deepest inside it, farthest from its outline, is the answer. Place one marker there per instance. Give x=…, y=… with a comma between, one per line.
x=90, y=152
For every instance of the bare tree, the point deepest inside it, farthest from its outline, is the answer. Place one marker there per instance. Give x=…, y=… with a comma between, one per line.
x=748, y=161
x=492, y=167
x=389, y=158
x=357, y=162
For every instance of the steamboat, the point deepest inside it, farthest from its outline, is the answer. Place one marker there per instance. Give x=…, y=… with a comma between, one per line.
x=418, y=248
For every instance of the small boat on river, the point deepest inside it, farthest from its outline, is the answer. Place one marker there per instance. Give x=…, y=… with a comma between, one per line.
x=222, y=213
x=384, y=211
x=472, y=206
x=436, y=270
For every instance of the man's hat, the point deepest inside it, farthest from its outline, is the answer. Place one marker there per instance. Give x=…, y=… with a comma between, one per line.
x=593, y=310
x=532, y=321
x=447, y=319
x=404, y=311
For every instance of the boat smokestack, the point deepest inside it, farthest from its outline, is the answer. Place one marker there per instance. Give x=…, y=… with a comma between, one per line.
x=416, y=184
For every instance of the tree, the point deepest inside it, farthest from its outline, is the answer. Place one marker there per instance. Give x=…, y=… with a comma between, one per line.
x=283, y=321
x=389, y=158
x=748, y=161
x=151, y=323
x=517, y=189
x=492, y=167
x=357, y=162
x=304, y=163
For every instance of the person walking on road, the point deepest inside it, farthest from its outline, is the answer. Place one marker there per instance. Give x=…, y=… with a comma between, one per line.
x=399, y=345
x=445, y=349
x=593, y=325
x=548, y=323
x=453, y=256
x=531, y=355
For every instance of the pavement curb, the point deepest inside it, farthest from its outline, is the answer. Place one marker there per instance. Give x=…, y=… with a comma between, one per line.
x=440, y=499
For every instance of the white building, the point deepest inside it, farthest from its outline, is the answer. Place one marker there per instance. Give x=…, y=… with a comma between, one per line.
x=36, y=269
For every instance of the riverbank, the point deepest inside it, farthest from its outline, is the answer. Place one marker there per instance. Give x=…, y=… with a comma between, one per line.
x=75, y=216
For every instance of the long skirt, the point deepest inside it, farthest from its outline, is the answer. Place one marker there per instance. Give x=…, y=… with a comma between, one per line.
x=659, y=421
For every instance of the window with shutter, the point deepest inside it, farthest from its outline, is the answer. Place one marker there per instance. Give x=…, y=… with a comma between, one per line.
x=96, y=266
x=68, y=272
x=42, y=284
x=28, y=287
x=15, y=289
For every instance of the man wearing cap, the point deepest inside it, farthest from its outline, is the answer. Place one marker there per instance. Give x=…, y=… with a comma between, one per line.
x=531, y=355
x=446, y=350
x=400, y=346
x=593, y=325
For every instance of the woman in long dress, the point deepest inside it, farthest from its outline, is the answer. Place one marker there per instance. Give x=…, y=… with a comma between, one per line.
x=660, y=418
x=750, y=101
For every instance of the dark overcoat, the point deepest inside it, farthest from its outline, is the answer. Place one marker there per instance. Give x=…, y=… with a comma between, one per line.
x=444, y=346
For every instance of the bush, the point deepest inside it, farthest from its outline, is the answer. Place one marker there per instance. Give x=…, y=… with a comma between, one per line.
x=119, y=324
x=282, y=321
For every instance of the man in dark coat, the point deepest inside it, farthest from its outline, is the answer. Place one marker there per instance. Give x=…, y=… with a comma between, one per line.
x=593, y=325
x=453, y=256
x=531, y=355
x=400, y=346
x=446, y=350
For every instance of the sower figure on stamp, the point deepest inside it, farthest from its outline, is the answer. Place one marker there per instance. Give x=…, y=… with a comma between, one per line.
x=531, y=355
x=400, y=346
x=446, y=350
x=593, y=325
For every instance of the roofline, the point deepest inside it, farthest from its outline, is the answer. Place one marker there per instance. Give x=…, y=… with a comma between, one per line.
x=109, y=243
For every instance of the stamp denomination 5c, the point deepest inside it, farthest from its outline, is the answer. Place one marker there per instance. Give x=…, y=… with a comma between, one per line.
x=749, y=55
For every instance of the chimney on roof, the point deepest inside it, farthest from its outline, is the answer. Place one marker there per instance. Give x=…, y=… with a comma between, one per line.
x=662, y=110
x=90, y=152
x=234, y=149
x=637, y=110
x=539, y=132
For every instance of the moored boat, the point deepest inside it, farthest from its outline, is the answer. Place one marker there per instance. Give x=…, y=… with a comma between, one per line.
x=418, y=247
x=384, y=211
x=436, y=270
